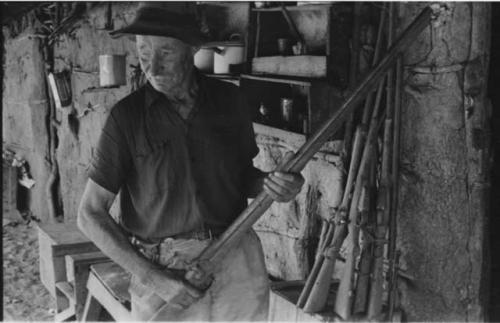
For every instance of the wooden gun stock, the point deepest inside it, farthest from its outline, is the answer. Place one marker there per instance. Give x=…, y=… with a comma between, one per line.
x=201, y=269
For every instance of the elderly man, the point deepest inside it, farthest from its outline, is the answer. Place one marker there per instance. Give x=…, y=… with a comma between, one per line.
x=180, y=152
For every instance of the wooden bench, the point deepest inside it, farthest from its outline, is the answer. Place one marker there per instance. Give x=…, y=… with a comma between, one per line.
x=107, y=286
x=56, y=241
x=77, y=270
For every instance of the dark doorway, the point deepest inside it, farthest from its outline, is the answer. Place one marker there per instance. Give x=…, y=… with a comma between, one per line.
x=494, y=220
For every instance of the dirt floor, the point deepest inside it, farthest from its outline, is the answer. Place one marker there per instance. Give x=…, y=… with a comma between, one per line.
x=24, y=296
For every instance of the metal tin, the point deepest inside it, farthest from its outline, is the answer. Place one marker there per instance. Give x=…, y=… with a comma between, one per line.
x=204, y=59
x=283, y=46
x=230, y=52
x=112, y=70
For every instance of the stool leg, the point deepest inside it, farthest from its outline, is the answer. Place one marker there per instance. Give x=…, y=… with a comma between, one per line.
x=92, y=309
x=66, y=315
x=81, y=294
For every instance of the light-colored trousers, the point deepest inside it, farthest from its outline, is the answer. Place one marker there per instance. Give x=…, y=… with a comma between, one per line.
x=239, y=292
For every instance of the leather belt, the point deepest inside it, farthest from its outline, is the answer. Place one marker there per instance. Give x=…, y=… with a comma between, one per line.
x=151, y=248
x=200, y=234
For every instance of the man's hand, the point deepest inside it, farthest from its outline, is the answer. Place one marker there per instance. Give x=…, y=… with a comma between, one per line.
x=173, y=290
x=283, y=187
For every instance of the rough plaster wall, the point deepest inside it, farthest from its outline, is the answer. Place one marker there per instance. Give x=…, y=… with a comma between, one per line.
x=80, y=51
x=440, y=238
x=312, y=25
x=288, y=231
x=225, y=19
x=24, y=108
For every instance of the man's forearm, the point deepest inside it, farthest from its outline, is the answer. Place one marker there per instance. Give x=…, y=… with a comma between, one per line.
x=110, y=238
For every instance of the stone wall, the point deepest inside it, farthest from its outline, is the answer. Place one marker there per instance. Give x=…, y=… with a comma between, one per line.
x=289, y=231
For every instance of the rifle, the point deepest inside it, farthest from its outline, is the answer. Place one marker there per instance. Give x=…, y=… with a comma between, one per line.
x=360, y=135
x=360, y=158
x=319, y=290
x=343, y=302
x=384, y=194
x=392, y=254
x=367, y=225
x=200, y=270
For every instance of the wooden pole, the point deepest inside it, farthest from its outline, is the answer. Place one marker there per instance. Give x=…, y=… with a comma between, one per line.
x=353, y=72
x=366, y=252
x=384, y=193
x=395, y=182
x=366, y=210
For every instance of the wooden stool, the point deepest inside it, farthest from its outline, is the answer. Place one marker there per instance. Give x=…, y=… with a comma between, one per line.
x=55, y=242
x=107, y=286
x=77, y=270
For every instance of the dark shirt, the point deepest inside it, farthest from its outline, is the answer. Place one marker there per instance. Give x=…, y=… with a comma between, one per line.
x=177, y=175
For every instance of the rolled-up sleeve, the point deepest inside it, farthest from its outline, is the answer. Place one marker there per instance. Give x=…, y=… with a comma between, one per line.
x=111, y=160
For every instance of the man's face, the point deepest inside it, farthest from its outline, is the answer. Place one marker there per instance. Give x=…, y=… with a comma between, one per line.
x=165, y=61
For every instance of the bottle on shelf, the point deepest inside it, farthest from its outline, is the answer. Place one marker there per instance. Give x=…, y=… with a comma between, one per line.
x=264, y=114
x=287, y=113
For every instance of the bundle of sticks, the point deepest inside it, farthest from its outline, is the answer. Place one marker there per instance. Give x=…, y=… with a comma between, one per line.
x=365, y=222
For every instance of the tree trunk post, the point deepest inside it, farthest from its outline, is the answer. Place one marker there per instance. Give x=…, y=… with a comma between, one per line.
x=444, y=165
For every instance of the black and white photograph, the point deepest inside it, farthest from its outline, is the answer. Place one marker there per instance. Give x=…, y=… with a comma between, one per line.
x=269, y=161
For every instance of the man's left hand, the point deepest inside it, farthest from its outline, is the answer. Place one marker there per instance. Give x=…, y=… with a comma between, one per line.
x=283, y=187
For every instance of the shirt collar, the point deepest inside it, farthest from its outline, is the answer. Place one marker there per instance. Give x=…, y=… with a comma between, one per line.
x=151, y=94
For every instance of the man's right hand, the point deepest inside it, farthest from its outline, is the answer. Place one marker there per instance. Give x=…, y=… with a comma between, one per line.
x=172, y=289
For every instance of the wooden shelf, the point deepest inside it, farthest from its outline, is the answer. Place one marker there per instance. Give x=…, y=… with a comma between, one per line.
x=231, y=78
x=305, y=66
x=307, y=7
x=329, y=58
x=295, y=80
x=101, y=88
x=278, y=133
x=303, y=81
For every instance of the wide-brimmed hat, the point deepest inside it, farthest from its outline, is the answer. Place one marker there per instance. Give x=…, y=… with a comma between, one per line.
x=162, y=19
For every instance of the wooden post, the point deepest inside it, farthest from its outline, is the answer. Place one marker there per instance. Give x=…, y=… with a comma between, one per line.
x=444, y=149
